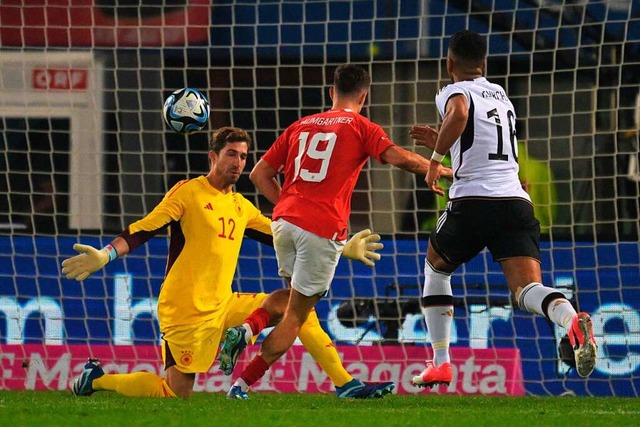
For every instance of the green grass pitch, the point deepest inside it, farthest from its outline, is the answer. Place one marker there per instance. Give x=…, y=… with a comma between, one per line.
x=49, y=408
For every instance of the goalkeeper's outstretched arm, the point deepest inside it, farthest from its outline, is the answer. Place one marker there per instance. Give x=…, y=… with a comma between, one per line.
x=89, y=260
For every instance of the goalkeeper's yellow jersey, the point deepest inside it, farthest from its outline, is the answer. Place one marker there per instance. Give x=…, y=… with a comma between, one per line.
x=206, y=230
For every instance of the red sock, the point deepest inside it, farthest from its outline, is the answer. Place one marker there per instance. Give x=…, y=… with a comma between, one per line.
x=258, y=320
x=254, y=370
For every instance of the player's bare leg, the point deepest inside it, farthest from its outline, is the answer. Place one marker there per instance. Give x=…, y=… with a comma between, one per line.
x=519, y=272
x=284, y=334
x=276, y=344
x=276, y=304
x=524, y=280
x=314, y=339
x=238, y=337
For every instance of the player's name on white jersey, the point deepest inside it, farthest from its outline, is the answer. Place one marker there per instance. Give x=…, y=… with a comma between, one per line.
x=495, y=94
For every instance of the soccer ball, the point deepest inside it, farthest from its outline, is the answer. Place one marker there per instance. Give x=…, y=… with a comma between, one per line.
x=186, y=110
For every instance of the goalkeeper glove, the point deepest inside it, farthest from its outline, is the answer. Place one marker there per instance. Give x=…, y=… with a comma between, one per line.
x=89, y=261
x=363, y=246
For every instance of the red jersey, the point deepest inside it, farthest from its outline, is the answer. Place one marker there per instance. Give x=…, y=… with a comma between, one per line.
x=321, y=157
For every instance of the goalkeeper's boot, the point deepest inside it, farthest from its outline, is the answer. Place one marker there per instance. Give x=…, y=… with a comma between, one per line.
x=235, y=392
x=234, y=343
x=356, y=389
x=584, y=344
x=83, y=385
x=434, y=375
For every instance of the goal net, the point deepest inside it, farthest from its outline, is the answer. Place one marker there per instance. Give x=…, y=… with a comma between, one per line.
x=84, y=152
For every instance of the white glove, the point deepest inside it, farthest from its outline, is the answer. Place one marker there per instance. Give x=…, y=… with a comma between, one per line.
x=89, y=261
x=363, y=246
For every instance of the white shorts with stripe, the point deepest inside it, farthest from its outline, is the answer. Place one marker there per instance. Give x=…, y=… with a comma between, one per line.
x=308, y=259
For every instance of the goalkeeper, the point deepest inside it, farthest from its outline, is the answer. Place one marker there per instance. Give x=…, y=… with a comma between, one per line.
x=207, y=222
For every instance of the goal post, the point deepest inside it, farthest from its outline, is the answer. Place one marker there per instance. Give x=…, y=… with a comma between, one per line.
x=84, y=152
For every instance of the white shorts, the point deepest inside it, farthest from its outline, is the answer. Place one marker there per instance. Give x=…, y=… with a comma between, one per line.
x=308, y=259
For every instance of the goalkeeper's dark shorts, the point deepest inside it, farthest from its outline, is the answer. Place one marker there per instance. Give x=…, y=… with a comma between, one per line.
x=507, y=227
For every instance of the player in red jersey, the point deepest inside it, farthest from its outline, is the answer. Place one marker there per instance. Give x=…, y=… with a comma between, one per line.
x=321, y=156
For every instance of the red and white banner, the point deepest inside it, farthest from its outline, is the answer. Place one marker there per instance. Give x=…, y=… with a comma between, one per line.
x=59, y=78
x=82, y=23
x=476, y=371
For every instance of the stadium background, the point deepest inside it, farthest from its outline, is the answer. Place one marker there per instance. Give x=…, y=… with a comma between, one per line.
x=571, y=69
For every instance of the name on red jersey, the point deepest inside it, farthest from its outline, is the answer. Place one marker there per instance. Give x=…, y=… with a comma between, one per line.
x=326, y=121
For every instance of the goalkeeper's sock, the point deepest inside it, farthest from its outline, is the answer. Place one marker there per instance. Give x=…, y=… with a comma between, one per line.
x=254, y=370
x=437, y=308
x=321, y=348
x=136, y=384
x=255, y=323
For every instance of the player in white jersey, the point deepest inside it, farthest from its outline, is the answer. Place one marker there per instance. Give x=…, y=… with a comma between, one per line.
x=485, y=161
x=487, y=208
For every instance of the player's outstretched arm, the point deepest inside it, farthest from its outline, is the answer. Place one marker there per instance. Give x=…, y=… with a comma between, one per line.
x=89, y=260
x=427, y=136
x=424, y=135
x=410, y=162
x=363, y=246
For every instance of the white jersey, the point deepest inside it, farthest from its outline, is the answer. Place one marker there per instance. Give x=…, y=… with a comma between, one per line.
x=485, y=157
